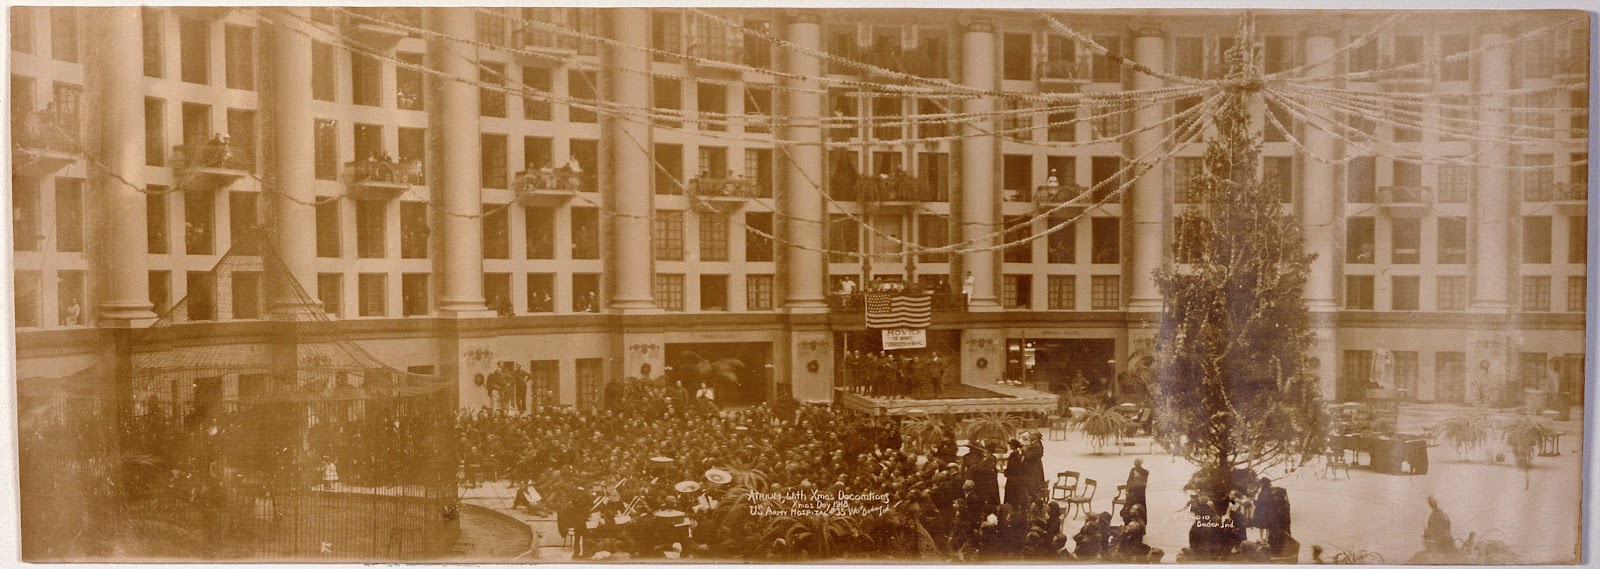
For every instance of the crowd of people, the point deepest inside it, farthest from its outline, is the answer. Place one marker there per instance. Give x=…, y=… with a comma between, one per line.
x=650, y=477
x=891, y=375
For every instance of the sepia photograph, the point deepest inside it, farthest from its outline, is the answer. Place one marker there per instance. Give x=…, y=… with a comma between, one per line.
x=789, y=285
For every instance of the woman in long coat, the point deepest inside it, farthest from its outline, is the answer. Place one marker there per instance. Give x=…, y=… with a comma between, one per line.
x=1019, y=487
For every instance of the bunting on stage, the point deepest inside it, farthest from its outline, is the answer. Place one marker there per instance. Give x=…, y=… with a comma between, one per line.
x=893, y=310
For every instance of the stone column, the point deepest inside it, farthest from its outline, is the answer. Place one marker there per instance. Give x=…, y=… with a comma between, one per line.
x=1145, y=204
x=457, y=167
x=803, y=174
x=285, y=90
x=113, y=79
x=978, y=187
x=626, y=167
x=1492, y=253
x=1321, y=205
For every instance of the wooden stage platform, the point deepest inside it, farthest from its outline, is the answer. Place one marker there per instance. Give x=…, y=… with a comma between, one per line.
x=959, y=400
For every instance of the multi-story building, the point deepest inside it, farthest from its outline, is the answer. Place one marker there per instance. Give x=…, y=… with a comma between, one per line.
x=583, y=191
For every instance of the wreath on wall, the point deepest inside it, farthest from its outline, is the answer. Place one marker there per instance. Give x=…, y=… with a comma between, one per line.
x=983, y=363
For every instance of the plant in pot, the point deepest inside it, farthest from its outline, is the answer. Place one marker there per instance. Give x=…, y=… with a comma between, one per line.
x=1522, y=436
x=1103, y=425
x=1465, y=433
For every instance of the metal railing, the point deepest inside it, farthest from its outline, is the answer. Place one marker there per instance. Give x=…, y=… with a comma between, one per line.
x=724, y=188
x=898, y=187
x=47, y=130
x=384, y=172
x=856, y=302
x=562, y=179
x=212, y=154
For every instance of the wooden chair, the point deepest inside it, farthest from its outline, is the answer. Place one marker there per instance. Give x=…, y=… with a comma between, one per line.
x=1121, y=498
x=1333, y=461
x=1084, y=501
x=1065, y=486
x=1059, y=427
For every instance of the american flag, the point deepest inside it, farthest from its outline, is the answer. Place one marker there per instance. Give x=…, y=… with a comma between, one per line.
x=892, y=310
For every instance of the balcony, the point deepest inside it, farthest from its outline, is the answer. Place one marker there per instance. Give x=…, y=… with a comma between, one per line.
x=210, y=165
x=1405, y=201
x=855, y=302
x=381, y=27
x=547, y=187
x=708, y=57
x=896, y=60
x=44, y=143
x=722, y=194
x=896, y=190
x=1570, y=198
x=1067, y=71
x=381, y=179
x=1049, y=196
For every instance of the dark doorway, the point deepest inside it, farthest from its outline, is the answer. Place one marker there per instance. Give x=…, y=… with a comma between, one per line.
x=1058, y=361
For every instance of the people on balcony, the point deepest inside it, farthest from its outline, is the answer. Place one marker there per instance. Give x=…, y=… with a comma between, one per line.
x=547, y=177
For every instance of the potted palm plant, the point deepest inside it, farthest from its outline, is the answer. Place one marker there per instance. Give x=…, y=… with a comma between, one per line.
x=1465, y=433
x=1103, y=425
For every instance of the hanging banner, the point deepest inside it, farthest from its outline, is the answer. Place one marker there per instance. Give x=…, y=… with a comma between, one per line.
x=904, y=338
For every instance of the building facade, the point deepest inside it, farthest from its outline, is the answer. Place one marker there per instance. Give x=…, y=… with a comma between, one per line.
x=584, y=191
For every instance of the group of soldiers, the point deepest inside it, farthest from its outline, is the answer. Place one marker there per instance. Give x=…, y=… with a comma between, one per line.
x=892, y=375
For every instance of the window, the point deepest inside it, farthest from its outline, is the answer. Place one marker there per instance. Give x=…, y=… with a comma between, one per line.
x=1278, y=119
x=1278, y=171
x=585, y=233
x=1452, y=293
x=1538, y=181
x=586, y=293
x=1018, y=228
x=539, y=231
x=668, y=100
x=757, y=236
x=546, y=383
x=1108, y=121
x=491, y=27
x=153, y=57
x=1017, y=292
x=155, y=207
x=1536, y=294
x=194, y=41
x=1062, y=291
x=414, y=150
x=1105, y=292
x=1407, y=174
x=1017, y=170
x=1364, y=57
x=666, y=35
x=494, y=173
x=758, y=292
x=1406, y=117
x=1359, y=240
x=27, y=290
x=492, y=94
x=247, y=295
x=155, y=132
x=589, y=378
x=1450, y=376
x=580, y=87
x=1454, y=181
x=413, y=230
x=1358, y=292
x=414, y=294
x=1536, y=239
x=370, y=229
x=64, y=33
x=241, y=62
x=1404, y=294
x=408, y=84
x=1577, y=290
x=328, y=228
x=1456, y=69
x=365, y=78
x=1106, y=174
x=1018, y=57
x=1105, y=69
x=1062, y=245
x=1405, y=373
x=326, y=145
x=1062, y=125
x=713, y=236
x=844, y=237
x=200, y=302
x=199, y=223
x=1018, y=120
x=69, y=215
x=1577, y=240
x=758, y=167
x=714, y=293
x=841, y=44
x=322, y=70
x=1452, y=240
x=669, y=235
x=330, y=288
x=496, y=231
x=1190, y=57
x=160, y=291
x=71, y=305
x=1189, y=171
x=1531, y=369
x=26, y=230
x=1106, y=239
x=669, y=292
x=757, y=50
x=1405, y=240
x=1357, y=374
x=1361, y=177
x=541, y=292
x=538, y=80
x=757, y=109
x=933, y=231
x=1189, y=235
x=712, y=100
x=587, y=154
x=244, y=223
x=22, y=29
x=668, y=169
x=714, y=163
x=369, y=287
x=1279, y=53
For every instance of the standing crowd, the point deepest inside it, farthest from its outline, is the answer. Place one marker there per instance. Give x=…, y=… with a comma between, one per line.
x=891, y=375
